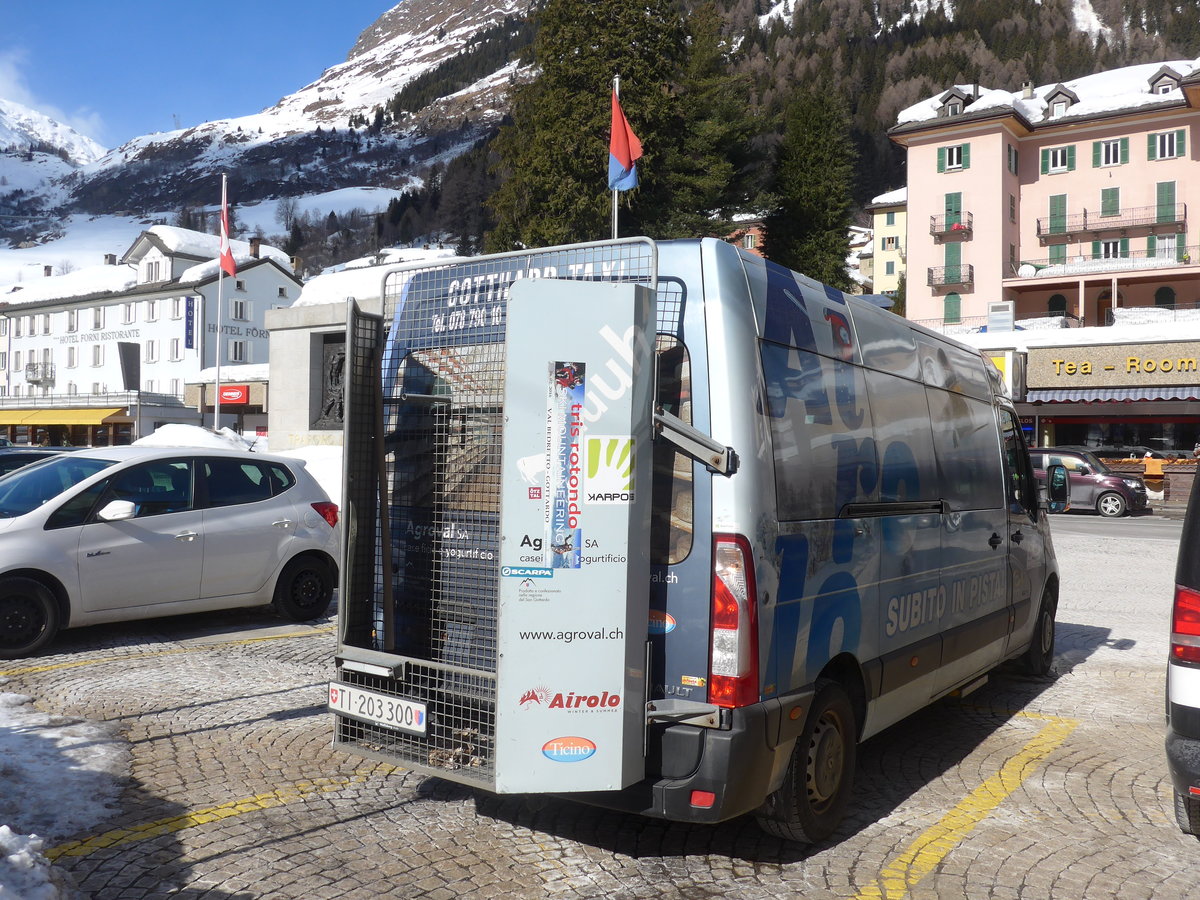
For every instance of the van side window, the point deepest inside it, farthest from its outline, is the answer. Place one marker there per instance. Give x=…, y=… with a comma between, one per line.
x=1022, y=494
x=964, y=437
x=671, y=514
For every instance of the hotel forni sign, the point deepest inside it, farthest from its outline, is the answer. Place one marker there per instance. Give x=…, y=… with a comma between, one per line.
x=1113, y=366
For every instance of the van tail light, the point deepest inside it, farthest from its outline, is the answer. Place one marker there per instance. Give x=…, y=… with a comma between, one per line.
x=733, y=664
x=328, y=511
x=1185, y=626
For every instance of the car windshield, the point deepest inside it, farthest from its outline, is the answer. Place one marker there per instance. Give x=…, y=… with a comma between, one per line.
x=28, y=488
x=1096, y=463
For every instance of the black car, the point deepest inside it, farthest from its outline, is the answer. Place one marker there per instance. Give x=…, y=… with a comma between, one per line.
x=12, y=458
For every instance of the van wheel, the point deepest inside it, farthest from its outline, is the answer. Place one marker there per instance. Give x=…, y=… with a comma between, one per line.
x=816, y=788
x=1038, y=659
x=1187, y=814
x=304, y=589
x=28, y=617
x=1111, y=505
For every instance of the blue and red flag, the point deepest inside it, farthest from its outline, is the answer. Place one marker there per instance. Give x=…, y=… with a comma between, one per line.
x=624, y=150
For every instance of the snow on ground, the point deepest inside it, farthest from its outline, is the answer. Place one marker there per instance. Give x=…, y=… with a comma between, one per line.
x=61, y=776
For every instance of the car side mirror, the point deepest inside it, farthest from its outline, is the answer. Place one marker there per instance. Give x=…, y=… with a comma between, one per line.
x=117, y=510
x=1058, y=489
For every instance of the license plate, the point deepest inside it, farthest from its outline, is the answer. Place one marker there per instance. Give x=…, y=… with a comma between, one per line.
x=378, y=709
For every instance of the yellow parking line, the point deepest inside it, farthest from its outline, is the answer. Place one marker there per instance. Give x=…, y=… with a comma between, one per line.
x=267, y=800
x=926, y=853
x=74, y=664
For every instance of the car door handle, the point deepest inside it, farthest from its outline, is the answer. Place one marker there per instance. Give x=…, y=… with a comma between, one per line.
x=995, y=541
x=186, y=536
x=283, y=523
x=1017, y=536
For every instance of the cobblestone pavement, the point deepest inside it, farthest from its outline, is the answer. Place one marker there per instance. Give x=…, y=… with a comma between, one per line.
x=1028, y=788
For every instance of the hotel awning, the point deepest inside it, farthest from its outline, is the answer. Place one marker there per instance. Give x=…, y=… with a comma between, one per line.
x=90, y=416
x=1115, y=395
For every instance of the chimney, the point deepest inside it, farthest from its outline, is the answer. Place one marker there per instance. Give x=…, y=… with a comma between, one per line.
x=1027, y=90
x=298, y=266
x=110, y=259
x=47, y=271
x=255, y=246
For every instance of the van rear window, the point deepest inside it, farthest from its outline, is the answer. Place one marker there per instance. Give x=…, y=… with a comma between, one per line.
x=671, y=516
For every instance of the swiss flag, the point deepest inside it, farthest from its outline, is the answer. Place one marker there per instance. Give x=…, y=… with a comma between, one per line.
x=227, y=263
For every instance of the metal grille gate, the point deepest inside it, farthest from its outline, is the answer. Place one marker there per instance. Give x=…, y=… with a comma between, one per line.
x=423, y=502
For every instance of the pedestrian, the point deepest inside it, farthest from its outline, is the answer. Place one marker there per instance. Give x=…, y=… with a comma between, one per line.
x=1196, y=450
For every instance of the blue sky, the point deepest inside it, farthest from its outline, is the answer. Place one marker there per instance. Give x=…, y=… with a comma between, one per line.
x=117, y=69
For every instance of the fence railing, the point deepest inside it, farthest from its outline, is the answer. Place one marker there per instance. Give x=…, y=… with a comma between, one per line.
x=945, y=276
x=952, y=223
x=1163, y=257
x=1130, y=217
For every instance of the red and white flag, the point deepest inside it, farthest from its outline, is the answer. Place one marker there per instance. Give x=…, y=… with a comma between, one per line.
x=227, y=263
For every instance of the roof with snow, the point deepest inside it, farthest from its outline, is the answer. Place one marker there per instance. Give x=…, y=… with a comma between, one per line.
x=897, y=197
x=1130, y=89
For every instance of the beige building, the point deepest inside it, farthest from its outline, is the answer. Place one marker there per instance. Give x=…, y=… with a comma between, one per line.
x=889, y=223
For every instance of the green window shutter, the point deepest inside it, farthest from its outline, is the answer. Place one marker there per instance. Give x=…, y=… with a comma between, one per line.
x=1058, y=253
x=1124, y=151
x=1110, y=201
x=941, y=159
x=1164, y=195
x=966, y=156
x=1095, y=154
x=1095, y=249
x=1181, y=142
x=1152, y=146
x=1180, y=247
x=1151, y=246
x=1124, y=248
x=1045, y=161
x=952, y=312
x=1071, y=158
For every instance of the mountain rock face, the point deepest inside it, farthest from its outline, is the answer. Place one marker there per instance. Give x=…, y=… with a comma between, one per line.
x=22, y=128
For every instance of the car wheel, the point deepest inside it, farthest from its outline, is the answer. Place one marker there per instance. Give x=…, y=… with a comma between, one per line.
x=28, y=617
x=1187, y=814
x=1038, y=659
x=304, y=589
x=1111, y=505
x=816, y=788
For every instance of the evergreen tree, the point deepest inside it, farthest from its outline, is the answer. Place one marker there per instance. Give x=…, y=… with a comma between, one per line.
x=807, y=228
x=553, y=158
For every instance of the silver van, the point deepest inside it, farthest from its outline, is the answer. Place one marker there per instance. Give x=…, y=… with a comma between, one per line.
x=842, y=525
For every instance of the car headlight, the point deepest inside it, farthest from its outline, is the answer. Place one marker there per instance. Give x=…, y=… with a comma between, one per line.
x=1133, y=483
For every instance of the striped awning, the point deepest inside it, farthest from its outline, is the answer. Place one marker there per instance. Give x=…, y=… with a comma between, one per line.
x=1115, y=395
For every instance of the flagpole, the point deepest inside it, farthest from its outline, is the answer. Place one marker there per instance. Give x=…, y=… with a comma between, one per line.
x=220, y=291
x=617, y=91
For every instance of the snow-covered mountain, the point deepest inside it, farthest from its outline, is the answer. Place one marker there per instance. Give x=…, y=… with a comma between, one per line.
x=22, y=128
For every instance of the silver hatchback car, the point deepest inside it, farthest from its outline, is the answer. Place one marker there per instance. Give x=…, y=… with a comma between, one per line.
x=120, y=533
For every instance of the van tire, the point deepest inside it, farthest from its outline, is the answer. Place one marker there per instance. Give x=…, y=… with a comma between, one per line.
x=1111, y=505
x=1039, y=657
x=304, y=589
x=1187, y=814
x=816, y=789
x=28, y=617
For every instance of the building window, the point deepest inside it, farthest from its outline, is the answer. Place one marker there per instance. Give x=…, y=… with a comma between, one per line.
x=151, y=351
x=240, y=284
x=3, y=327
x=72, y=388
x=238, y=352
x=45, y=323
x=1165, y=87
x=32, y=325
x=96, y=387
x=1116, y=249
x=177, y=307
x=98, y=317
x=954, y=108
x=953, y=158
x=1058, y=254
x=1012, y=159
x=282, y=292
x=17, y=326
x=1167, y=144
x=1057, y=305
x=1012, y=255
x=98, y=355
x=151, y=310
x=127, y=317
x=3, y=390
x=1113, y=152
x=1058, y=109
x=891, y=243
x=1110, y=201
x=1012, y=207
x=16, y=360
x=952, y=311
x=72, y=357
x=240, y=310
x=1163, y=246
x=149, y=386
x=153, y=271
x=1164, y=296
x=890, y=218
x=175, y=387
x=889, y=268
x=1058, y=159
x=3, y=360
x=16, y=390
x=72, y=320
x=176, y=349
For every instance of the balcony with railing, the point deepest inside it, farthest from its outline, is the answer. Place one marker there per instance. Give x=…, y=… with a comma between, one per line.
x=951, y=276
x=39, y=373
x=960, y=224
x=1173, y=256
x=1093, y=222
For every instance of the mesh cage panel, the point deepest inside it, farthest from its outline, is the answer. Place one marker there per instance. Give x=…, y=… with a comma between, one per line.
x=425, y=588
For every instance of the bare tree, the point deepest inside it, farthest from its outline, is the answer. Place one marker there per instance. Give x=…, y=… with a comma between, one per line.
x=65, y=267
x=285, y=212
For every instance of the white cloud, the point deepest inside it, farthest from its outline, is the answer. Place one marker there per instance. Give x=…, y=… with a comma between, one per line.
x=13, y=63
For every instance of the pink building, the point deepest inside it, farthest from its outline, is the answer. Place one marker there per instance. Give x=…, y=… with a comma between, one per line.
x=1068, y=199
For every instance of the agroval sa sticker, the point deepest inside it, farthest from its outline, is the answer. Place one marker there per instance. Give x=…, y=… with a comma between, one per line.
x=568, y=749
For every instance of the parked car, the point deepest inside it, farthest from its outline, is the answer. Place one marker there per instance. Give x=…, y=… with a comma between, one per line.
x=1124, y=451
x=1093, y=484
x=13, y=458
x=118, y=533
x=1183, y=674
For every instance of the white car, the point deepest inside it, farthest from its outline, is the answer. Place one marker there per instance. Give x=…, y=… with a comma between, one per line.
x=119, y=533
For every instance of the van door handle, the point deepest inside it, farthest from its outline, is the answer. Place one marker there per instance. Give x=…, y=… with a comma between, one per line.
x=995, y=541
x=186, y=536
x=1017, y=536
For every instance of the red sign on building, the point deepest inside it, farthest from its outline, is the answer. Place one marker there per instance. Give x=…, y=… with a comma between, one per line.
x=235, y=394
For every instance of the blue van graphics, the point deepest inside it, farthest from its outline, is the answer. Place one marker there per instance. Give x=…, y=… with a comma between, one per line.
x=564, y=469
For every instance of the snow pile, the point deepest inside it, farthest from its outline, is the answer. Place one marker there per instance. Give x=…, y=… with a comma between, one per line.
x=324, y=463
x=362, y=279
x=176, y=435
x=24, y=873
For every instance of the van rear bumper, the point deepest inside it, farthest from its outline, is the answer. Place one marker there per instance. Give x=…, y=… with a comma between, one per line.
x=735, y=765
